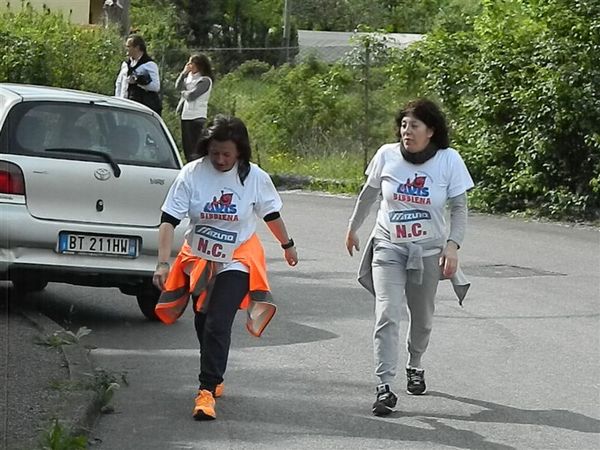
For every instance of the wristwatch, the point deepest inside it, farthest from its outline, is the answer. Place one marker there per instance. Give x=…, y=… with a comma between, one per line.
x=288, y=244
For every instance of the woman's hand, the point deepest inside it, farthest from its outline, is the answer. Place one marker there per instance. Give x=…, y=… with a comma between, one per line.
x=291, y=256
x=449, y=259
x=160, y=275
x=352, y=242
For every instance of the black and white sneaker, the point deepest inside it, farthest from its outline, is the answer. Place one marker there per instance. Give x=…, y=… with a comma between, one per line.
x=415, y=381
x=386, y=400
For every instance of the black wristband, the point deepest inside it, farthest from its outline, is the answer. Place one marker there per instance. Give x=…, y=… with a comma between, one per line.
x=288, y=244
x=457, y=244
x=168, y=218
x=272, y=216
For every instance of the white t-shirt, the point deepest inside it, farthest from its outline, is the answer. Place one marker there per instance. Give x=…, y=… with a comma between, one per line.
x=414, y=196
x=223, y=212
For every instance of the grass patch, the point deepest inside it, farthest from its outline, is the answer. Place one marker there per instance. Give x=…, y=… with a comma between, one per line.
x=337, y=173
x=57, y=437
x=63, y=337
x=105, y=383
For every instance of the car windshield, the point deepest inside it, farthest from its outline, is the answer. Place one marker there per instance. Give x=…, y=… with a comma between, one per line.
x=128, y=137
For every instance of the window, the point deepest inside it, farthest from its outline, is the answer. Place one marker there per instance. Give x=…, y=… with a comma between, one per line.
x=129, y=137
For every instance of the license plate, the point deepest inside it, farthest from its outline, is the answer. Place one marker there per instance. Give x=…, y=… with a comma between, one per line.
x=98, y=244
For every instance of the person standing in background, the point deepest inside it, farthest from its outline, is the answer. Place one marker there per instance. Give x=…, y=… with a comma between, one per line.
x=138, y=78
x=195, y=85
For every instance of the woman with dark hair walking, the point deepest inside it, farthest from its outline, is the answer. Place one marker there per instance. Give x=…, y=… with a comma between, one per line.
x=221, y=264
x=195, y=84
x=409, y=250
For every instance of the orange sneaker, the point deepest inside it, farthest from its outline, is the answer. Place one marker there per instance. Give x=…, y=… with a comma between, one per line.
x=205, y=406
x=219, y=390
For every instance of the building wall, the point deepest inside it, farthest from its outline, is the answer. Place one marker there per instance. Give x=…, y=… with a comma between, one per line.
x=96, y=11
x=77, y=10
x=331, y=46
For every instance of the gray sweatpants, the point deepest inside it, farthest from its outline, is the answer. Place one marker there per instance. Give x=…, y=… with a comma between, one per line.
x=395, y=294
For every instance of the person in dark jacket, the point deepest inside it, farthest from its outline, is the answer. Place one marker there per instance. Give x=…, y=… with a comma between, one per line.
x=138, y=78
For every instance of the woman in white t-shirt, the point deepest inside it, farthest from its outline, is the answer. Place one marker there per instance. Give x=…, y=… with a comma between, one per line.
x=195, y=84
x=409, y=249
x=221, y=264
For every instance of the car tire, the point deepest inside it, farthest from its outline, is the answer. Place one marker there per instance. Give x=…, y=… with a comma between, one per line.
x=30, y=285
x=147, y=300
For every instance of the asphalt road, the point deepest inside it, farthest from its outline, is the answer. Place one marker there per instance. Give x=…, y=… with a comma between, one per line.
x=516, y=367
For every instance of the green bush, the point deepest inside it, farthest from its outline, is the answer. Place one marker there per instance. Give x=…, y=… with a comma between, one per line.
x=524, y=104
x=519, y=79
x=44, y=48
x=253, y=68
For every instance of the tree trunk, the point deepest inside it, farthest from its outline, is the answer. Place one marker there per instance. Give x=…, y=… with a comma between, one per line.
x=116, y=12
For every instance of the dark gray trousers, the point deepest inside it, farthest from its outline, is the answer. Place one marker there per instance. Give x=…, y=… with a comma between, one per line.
x=191, y=131
x=213, y=326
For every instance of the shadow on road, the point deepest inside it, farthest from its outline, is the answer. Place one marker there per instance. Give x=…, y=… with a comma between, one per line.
x=494, y=412
x=333, y=422
x=73, y=313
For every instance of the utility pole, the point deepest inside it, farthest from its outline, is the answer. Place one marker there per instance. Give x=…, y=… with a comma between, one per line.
x=286, y=28
x=367, y=101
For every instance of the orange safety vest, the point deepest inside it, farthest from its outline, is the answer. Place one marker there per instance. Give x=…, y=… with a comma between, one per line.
x=193, y=276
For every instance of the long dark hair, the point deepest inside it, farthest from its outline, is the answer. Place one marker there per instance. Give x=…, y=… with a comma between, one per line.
x=431, y=115
x=228, y=128
x=201, y=61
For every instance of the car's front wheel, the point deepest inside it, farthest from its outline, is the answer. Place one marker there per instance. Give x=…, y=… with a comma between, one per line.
x=147, y=299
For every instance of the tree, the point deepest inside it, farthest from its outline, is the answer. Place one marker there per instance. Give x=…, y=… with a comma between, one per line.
x=397, y=16
x=116, y=13
x=524, y=104
x=36, y=44
x=237, y=30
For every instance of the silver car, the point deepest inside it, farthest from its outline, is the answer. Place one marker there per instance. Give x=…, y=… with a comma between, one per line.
x=82, y=180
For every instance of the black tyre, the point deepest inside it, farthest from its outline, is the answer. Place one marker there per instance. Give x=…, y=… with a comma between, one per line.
x=147, y=300
x=29, y=285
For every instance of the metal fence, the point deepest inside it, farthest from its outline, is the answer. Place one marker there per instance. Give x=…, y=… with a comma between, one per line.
x=325, y=46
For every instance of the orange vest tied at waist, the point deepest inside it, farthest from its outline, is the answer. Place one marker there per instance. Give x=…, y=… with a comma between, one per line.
x=193, y=276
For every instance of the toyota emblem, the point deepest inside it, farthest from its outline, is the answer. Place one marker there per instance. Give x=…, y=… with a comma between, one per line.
x=102, y=174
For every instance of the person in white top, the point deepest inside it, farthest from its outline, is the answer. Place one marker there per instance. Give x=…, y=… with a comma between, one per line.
x=138, y=78
x=409, y=250
x=195, y=84
x=223, y=194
